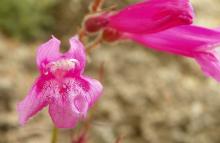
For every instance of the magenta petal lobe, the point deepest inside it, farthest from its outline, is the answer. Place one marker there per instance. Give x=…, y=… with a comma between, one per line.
x=210, y=64
x=48, y=52
x=70, y=103
x=77, y=52
x=181, y=40
x=81, y=104
x=191, y=41
x=73, y=101
x=95, y=90
x=64, y=113
x=32, y=103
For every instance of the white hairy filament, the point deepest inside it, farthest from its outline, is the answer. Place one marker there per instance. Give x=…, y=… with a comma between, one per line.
x=63, y=64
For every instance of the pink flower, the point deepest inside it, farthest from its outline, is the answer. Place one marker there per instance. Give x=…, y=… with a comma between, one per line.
x=148, y=16
x=164, y=25
x=201, y=44
x=61, y=85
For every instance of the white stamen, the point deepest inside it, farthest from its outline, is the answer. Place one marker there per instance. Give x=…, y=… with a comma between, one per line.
x=63, y=64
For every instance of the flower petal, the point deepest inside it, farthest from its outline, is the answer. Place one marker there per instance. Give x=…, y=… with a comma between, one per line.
x=210, y=64
x=32, y=103
x=77, y=51
x=182, y=40
x=48, y=52
x=95, y=90
x=81, y=104
x=69, y=104
x=65, y=114
x=152, y=16
x=191, y=41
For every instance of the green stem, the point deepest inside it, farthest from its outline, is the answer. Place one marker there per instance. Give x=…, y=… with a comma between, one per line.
x=54, y=135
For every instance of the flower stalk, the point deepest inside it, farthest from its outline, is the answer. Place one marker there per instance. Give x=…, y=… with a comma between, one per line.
x=54, y=135
x=96, y=5
x=94, y=44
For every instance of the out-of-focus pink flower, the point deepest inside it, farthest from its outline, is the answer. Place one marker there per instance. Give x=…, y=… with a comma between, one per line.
x=148, y=16
x=165, y=25
x=61, y=85
x=196, y=42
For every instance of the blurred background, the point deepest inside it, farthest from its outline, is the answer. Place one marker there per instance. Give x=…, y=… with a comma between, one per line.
x=149, y=97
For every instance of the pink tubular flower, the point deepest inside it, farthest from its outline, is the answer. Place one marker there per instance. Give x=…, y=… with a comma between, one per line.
x=165, y=25
x=190, y=41
x=61, y=85
x=148, y=16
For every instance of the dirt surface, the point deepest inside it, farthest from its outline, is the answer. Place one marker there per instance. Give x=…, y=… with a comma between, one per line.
x=149, y=97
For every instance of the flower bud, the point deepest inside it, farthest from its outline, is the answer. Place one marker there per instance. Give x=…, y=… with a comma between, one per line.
x=94, y=24
x=110, y=35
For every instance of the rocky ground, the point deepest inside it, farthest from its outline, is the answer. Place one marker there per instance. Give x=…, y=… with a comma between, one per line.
x=149, y=97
